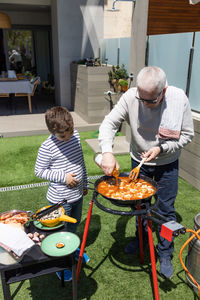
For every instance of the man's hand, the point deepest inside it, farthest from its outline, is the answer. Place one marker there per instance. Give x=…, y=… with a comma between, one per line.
x=109, y=163
x=151, y=154
x=71, y=179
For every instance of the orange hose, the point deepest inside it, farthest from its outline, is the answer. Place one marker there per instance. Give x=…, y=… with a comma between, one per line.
x=195, y=233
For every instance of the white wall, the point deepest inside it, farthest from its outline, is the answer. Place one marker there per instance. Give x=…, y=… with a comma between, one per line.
x=77, y=31
x=117, y=24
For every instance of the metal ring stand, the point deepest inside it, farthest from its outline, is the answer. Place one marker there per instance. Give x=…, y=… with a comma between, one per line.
x=135, y=211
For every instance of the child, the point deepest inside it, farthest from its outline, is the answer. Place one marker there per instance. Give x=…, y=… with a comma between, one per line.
x=60, y=160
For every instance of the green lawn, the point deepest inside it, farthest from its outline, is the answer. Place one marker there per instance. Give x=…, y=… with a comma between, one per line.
x=110, y=274
x=18, y=155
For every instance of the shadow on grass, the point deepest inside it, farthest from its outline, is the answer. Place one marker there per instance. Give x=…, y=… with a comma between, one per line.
x=132, y=262
x=183, y=281
x=93, y=230
x=49, y=287
x=117, y=250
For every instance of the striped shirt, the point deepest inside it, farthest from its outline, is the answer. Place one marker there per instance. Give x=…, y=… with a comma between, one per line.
x=55, y=159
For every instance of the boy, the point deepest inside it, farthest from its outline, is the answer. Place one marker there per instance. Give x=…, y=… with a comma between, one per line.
x=60, y=160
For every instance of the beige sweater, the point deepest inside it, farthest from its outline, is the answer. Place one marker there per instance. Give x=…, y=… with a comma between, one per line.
x=145, y=124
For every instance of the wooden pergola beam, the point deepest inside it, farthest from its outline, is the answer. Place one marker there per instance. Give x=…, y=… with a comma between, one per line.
x=172, y=16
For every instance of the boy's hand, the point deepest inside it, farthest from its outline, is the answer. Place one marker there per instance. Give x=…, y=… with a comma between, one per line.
x=71, y=179
x=85, y=191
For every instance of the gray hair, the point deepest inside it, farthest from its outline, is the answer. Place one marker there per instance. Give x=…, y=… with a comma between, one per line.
x=150, y=78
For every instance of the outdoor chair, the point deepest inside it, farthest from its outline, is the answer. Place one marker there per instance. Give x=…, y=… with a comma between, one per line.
x=35, y=81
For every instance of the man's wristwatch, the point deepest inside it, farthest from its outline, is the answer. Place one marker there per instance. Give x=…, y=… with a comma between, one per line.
x=161, y=148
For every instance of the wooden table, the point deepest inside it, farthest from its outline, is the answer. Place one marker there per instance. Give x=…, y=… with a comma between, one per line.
x=10, y=87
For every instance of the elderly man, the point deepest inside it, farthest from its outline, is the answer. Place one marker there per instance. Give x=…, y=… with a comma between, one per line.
x=161, y=124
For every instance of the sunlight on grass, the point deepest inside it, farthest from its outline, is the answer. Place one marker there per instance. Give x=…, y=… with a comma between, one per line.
x=18, y=156
x=110, y=274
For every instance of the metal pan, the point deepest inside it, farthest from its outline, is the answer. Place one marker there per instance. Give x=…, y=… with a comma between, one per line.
x=121, y=201
x=10, y=213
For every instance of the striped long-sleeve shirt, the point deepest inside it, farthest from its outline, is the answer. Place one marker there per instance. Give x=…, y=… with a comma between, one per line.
x=55, y=159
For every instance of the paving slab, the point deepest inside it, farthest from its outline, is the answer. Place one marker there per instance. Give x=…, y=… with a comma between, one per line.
x=121, y=146
x=34, y=124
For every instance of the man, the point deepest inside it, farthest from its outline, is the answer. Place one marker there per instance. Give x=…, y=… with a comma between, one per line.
x=161, y=124
x=16, y=59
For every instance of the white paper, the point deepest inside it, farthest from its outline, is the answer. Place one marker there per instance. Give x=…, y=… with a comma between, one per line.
x=15, y=239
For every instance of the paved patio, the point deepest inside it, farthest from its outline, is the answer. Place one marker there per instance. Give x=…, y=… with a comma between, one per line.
x=34, y=124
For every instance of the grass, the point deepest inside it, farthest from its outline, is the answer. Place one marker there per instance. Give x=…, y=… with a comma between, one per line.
x=18, y=155
x=110, y=274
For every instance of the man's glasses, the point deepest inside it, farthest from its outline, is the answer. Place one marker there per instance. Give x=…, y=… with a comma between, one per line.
x=151, y=101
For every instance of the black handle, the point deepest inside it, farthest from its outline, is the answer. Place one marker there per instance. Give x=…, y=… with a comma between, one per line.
x=49, y=209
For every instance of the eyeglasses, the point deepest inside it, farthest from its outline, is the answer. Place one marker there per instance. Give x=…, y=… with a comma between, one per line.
x=152, y=101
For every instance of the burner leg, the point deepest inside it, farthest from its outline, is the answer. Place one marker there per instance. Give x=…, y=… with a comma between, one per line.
x=140, y=237
x=84, y=241
x=153, y=261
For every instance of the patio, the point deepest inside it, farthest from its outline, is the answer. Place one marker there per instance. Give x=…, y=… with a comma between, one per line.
x=19, y=106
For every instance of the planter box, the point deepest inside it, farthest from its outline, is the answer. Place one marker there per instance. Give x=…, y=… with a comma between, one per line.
x=88, y=85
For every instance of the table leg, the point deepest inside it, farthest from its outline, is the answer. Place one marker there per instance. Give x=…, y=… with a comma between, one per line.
x=5, y=287
x=74, y=281
x=11, y=103
x=62, y=279
x=29, y=103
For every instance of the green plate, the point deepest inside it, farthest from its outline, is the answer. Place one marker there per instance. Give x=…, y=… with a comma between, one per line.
x=38, y=225
x=70, y=240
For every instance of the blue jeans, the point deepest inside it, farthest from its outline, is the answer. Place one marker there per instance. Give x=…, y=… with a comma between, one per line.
x=166, y=177
x=73, y=210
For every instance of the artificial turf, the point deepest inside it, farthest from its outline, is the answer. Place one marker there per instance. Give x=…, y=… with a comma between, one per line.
x=18, y=156
x=110, y=274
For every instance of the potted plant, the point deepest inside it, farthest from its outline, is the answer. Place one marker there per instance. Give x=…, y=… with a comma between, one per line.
x=122, y=85
x=116, y=75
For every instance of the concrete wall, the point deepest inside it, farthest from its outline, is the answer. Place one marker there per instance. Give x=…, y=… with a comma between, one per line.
x=77, y=32
x=27, y=2
x=117, y=24
x=190, y=157
x=29, y=18
x=138, y=38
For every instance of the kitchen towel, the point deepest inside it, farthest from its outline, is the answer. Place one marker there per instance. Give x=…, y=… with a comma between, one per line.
x=14, y=239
